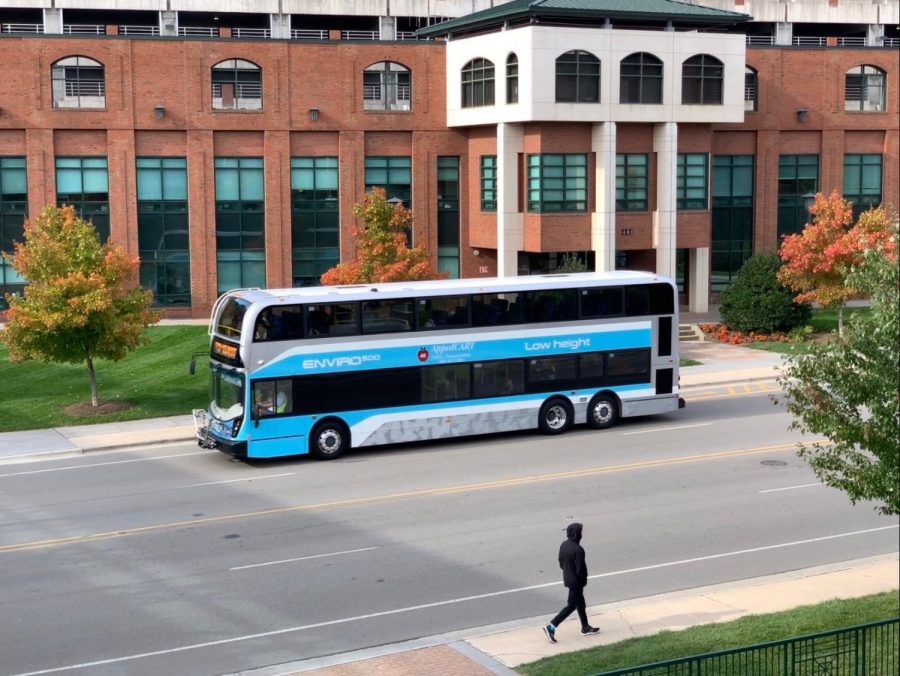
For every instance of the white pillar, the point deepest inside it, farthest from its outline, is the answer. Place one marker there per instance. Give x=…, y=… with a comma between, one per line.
x=53, y=20
x=168, y=23
x=784, y=33
x=280, y=26
x=387, y=28
x=603, y=219
x=698, y=283
x=665, y=145
x=510, y=224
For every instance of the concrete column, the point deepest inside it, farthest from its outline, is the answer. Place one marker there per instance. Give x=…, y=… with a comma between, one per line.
x=168, y=23
x=53, y=20
x=510, y=223
x=784, y=33
x=875, y=35
x=387, y=28
x=603, y=219
x=665, y=145
x=280, y=26
x=698, y=282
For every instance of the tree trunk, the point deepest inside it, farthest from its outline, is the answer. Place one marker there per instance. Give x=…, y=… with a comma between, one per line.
x=92, y=380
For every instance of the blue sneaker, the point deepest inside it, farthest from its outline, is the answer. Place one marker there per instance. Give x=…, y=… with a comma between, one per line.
x=550, y=633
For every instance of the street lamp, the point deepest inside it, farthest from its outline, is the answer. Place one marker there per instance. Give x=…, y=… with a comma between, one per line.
x=808, y=200
x=394, y=201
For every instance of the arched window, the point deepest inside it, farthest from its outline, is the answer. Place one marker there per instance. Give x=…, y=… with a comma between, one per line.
x=701, y=80
x=577, y=78
x=640, y=79
x=864, y=89
x=387, y=86
x=478, y=83
x=236, y=85
x=512, y=79
x=751, y=89
x=78, y=82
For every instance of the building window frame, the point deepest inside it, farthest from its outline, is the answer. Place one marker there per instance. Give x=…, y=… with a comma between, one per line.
x=731, y=241
x=702, y=80
x=512, y=78
x=236, y=84
x=488, y=183
x=751, y=89
x=864, y=89
x=692, y=182
x=863, y=176
x=477, y=83
x=557, y=183
x=83, y=182
x=387, y=86
x=315, y=218
x=240, y=222
x=632, y=182
x=448, y=235
x=798, y=175
x=577, y=77
x=13, y=211
x=394, y=174
x=641, y=79
x=78, y=82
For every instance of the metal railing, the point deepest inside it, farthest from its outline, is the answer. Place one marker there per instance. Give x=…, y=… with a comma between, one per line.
x=138, y=30
x=85, y=88
x=308, y=34
x=21, y=28
x=359, y=35
x=198, y=31
x=891, y=42
x=84, y=29
x=760, y=40
x=864, y=650
x=251, y=33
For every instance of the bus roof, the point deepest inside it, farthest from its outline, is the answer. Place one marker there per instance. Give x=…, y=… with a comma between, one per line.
x=445, y=287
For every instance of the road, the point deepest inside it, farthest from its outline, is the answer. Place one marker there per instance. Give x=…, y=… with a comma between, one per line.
x=175, y=560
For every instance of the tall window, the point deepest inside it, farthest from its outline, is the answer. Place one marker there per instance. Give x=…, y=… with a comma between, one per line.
x=864, y=89
x=448, y=215
x=489, y=183
x=631, y=182
x=13, y=209
x=732, y=217
x=236, y=85
x=798, y=175
x=512, y=79
x=478, y=83
x=577, y=78
x=701, y=80
x=83, y=182
x=315, y=222
x=862, y=181
x=640, y=79
x=691, y=180
x=78, y=82
x=751, y=89
x=163, y=229
x=240, y=223
x=387, y=86
x=394, y=174
x=557, y=183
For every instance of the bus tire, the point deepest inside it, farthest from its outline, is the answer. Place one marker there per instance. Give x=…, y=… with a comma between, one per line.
x=556, y=416
x=603, y=411
x=329, y=440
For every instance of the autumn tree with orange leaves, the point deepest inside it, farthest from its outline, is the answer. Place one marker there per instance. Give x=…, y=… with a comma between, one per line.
x=818, y=260
x=382, y=254
x=81, y=300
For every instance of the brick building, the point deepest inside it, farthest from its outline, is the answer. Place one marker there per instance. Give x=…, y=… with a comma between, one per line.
x=227, y=149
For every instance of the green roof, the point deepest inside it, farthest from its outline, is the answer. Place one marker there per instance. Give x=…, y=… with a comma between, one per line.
x=629, y=10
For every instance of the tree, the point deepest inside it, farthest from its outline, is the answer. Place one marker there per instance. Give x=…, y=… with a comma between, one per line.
x=571, y=262
x=817, y=261
x=80, y=302
x=757, y=302
x=382, y=253
x=849, y=391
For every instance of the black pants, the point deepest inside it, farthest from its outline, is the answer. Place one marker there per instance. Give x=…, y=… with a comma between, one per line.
x=576, y=602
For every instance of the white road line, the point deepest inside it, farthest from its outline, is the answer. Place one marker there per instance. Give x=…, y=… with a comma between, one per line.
x=102, y=464
x=303, y=558
x=437, y=604
x=789, y=488
x=233, y=481
x=666, y=429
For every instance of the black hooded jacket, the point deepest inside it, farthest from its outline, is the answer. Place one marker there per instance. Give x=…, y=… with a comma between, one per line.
x=571, y=558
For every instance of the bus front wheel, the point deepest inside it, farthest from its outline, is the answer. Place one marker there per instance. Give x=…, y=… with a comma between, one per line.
x=603, y=411
x=329, y=440
x=556, y=416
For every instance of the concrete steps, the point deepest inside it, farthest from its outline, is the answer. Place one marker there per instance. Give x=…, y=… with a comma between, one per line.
x=689, y=333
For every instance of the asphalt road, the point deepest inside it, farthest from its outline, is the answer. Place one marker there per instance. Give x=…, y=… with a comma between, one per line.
x=175, y=560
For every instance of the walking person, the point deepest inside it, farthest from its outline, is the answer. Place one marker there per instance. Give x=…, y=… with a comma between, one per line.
x=575, y=576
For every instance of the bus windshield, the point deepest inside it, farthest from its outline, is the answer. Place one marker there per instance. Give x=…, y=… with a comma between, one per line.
x=231, y=317
x=226, y=394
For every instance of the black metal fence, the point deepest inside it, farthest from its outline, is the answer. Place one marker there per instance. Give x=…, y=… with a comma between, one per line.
x=864, y=650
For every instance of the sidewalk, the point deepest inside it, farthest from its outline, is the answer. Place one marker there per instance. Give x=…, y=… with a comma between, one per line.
x=498, y=649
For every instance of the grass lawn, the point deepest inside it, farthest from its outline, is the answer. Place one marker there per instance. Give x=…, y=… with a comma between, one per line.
x=154, y=379
x=714, y=637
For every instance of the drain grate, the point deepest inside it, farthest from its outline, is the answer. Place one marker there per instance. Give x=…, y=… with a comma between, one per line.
x=773, y=463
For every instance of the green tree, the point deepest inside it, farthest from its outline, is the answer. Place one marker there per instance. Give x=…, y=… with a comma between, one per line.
x=757, y=302
x=382, y=254
x=849, y=391
x=571, y=262
x=80, y=303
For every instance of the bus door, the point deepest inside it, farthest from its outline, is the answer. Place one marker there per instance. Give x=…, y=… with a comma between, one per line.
x=274, y=430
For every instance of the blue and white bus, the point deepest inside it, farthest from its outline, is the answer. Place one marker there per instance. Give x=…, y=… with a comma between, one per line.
x=320, y=370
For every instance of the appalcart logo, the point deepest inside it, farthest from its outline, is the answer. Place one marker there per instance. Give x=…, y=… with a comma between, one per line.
x=422, y=354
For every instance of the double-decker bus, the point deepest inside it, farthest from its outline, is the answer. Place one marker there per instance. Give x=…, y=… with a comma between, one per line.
x=319, y=370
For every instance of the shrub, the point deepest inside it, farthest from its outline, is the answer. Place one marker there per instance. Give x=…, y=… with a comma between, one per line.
x=757, y=302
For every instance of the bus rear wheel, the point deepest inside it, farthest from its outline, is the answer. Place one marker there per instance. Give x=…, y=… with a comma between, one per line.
x=603, y=411
x=556, y=416
x=329, y=440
